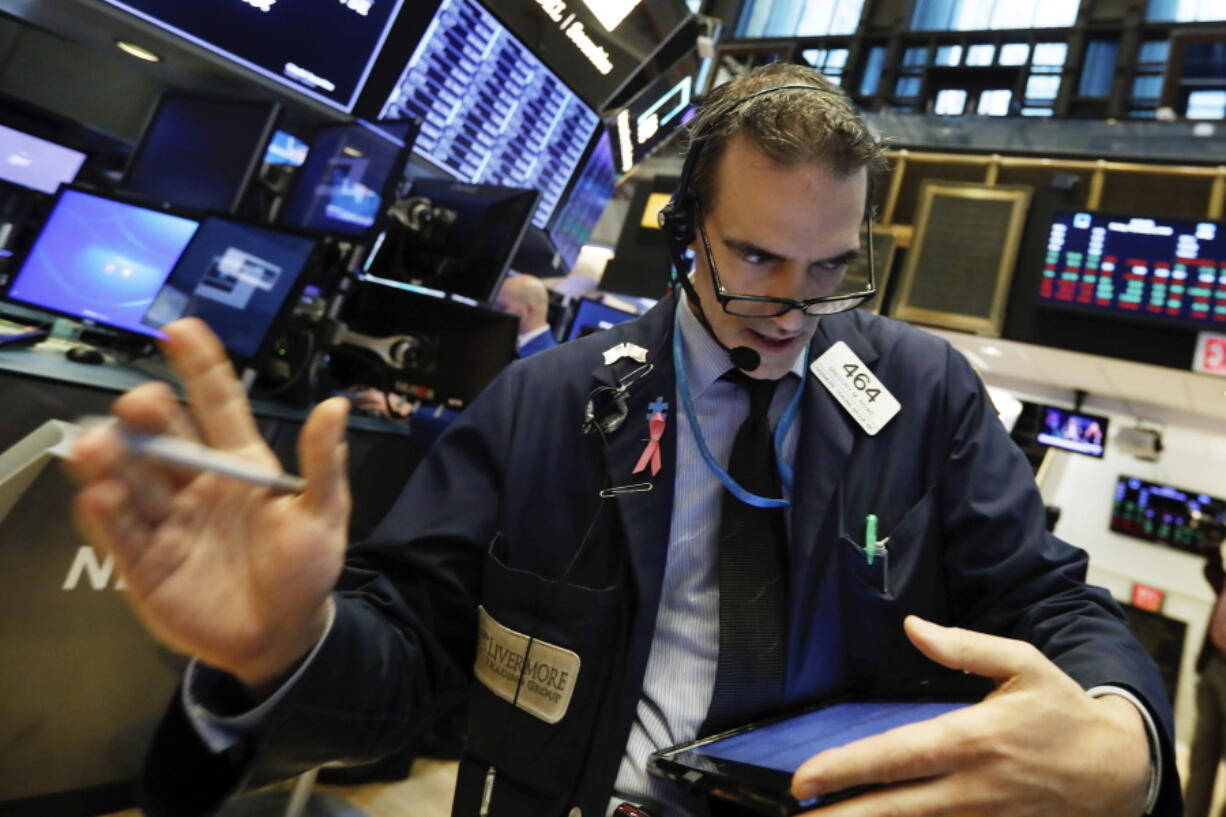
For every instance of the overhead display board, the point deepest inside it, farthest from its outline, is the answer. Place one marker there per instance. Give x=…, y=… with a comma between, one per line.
x=321, y=48
x=658, y=111
x=596, y=44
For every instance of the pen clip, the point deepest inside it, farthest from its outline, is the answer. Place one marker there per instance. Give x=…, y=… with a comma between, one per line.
x=635, y=488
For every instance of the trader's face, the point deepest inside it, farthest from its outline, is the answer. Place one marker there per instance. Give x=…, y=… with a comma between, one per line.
x=784, y=232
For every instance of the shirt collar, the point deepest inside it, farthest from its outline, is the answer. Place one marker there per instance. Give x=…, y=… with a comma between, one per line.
x=705, y=360
x=527, y=337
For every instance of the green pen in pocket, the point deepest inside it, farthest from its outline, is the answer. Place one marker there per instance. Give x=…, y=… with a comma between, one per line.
x=870, y=536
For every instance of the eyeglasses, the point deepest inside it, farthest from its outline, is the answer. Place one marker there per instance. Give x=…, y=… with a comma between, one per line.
x=765, y=306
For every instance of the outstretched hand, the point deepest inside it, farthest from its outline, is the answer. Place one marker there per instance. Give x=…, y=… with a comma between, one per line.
x=1037, y=745
x=221, y=570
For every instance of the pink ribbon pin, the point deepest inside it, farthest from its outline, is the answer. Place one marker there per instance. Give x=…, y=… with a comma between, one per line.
x=651, y=454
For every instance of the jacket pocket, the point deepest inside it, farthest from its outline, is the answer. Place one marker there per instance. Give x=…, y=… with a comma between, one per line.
x=545, y=652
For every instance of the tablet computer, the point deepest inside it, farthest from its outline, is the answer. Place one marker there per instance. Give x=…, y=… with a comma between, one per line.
x=753, y=764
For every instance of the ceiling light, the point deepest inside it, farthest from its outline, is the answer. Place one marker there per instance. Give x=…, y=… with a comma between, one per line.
x=991, y=351
x=132, y=49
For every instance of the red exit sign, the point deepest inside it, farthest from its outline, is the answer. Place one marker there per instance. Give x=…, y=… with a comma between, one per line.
x=1147, y=598
x=1210, y=354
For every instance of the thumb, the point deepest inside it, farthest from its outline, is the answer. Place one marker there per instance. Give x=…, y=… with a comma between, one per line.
x=323, y=455
x=988, y=655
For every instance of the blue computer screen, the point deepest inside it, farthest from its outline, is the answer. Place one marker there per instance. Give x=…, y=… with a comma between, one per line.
x=592, y=316
x=236, y=278
x=1133, y=266
x=36, y=163
x=341, y=186
x=585, y=203
x=101, y=260
x=491, y=112
x=322, y=48
x=286, y=149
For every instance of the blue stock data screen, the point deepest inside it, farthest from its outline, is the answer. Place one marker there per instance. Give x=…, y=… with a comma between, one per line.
x=585, y=202
x=1159, y=269
x=491, y=112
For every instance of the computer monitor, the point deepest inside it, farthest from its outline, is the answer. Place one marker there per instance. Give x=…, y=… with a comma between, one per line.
x=100, y=259
x=321, y=48
x=349, y=177
x=36, y=163
x=1072, y=430
x=594, y=316
x=491, y=112
x=659, y=111
x=239, y=278
x=1165, y=514
x=1136, y=267
x=200, y=151
x=585, y=202
x=286, y=149
x=468, y=256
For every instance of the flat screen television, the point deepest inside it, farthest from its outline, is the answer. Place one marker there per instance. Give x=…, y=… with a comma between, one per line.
x=350, y=173
x=321, y=48
x=594, y=316
x=201, y=151
x=585, y=201
x=100, y=259
x=1165, y=514
x=491, y=112
x=1072, y=430
x=468, y=256
x=1136, y=267
x=657, y=112
x=36, y=163
x=241, y=279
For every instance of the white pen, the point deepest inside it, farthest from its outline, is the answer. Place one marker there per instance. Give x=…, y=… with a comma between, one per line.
x=187, y=454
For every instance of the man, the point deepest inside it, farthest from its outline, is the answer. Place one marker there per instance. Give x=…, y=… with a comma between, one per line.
x=525, y=297
x=573, y=518
x=1209, y=742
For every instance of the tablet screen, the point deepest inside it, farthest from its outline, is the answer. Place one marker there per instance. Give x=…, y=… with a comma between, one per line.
x=784, y=745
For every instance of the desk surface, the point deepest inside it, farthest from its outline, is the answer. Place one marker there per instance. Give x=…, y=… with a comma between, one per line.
x=46, y=361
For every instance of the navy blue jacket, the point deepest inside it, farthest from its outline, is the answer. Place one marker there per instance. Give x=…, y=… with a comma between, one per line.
x=540, y=343
x=507, y=505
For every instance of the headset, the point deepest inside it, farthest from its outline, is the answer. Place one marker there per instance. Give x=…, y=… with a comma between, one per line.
x=679, y=218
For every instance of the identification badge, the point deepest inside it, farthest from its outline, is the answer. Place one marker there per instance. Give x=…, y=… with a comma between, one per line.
x=855, y=387
x=540, y=683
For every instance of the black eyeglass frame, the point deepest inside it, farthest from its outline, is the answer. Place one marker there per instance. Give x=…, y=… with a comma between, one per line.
x=813, y=307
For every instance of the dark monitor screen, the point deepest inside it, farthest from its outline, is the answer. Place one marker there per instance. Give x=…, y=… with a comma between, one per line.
x=200, y=152
x=658, y=111
x=491, y=112
x=1072, y=430
x=286, y=149
x=468, y=257
x=1136, y=267
x=585, y=202
x=236, y=277
x=100, y=260
x=1161, y=513
x=321, y=48
x=36, y=163
x=593, y=316
x=348, y=176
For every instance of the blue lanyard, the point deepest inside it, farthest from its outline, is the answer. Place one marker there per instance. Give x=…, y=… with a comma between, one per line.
x=786, y=474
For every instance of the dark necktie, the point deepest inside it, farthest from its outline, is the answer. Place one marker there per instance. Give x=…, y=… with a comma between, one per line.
x=752, y=574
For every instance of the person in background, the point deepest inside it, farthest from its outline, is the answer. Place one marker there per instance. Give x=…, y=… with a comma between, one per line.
x=1209, y=741
x=526, y=297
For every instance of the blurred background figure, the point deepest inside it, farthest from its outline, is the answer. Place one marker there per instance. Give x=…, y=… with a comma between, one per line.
x=526, y=297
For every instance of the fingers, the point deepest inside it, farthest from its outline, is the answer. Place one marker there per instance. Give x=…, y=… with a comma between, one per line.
x=218, y=402
x=919, y=750
x=323, y=455
x=990, y=656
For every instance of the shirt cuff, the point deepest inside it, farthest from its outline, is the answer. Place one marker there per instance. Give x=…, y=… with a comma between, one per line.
x=1151, y=733
x=206, y=691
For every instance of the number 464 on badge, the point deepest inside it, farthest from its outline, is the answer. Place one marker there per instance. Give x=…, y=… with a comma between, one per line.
x=855, y=387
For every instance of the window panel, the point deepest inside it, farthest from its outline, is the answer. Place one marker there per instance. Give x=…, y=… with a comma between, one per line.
x=1014, y=53
x=950, y=102
x=798, y=18
x=1207, y=105
x=1147, y=86
x=948, y=55
x=980, y=54
x=1042, y=87
x=915, y=56
x=907, y=86
x=979, y=15
x=995, y=103
x=1098, y=69
x=872, y=70
x=1050, y=54
x=1036, y=112
x=1154, y=52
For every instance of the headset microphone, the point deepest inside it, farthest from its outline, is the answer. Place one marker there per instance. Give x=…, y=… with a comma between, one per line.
x=744, y=358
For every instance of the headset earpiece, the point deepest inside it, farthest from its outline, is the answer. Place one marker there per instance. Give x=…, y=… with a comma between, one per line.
x=677, y=221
